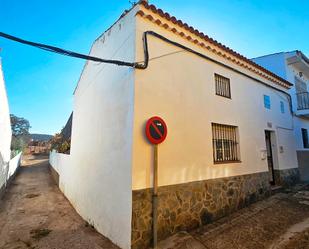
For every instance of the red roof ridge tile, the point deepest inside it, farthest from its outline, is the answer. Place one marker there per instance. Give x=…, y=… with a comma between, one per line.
x=184, y=25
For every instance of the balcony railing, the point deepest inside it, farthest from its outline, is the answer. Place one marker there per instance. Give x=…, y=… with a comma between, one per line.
x=302, y=101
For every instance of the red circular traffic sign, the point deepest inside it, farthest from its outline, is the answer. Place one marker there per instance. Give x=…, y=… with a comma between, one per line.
x=156, y=130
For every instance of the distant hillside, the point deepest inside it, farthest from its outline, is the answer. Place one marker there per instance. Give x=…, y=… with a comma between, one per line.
x=41, y=137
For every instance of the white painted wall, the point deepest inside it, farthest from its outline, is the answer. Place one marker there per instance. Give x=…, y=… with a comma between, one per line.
x=110, y=155
x=8, y=170
x=278, y=64
x=61, y=163
x=14, y=164
x=5, y=132
x=57, y=161
x=181, y=89
x=5, y=125
x=96, y=177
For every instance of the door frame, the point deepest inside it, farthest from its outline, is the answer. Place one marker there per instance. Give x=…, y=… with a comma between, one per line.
x=268, y=139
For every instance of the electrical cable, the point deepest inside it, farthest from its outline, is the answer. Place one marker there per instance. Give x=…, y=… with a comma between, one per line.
x=145, y=63
x=66, y=52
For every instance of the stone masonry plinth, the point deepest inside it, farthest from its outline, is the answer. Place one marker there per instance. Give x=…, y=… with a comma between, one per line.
x=190, y=205
x=286, y=177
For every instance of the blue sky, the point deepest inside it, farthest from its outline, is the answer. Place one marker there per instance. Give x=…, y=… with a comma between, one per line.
x=40, y=84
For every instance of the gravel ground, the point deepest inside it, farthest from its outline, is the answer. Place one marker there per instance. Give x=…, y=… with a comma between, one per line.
x=34, y=214
x=299, y=241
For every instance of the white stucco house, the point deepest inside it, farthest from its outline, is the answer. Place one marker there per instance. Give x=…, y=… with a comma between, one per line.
x=230, y=130
x=8, y=166
x=5, y=125
x=294, y=67
x=5, y=133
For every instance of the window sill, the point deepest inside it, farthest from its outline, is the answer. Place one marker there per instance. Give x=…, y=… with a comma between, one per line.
x=227, y=97
x=227, y=162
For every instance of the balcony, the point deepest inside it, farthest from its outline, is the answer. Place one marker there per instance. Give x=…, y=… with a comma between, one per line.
x=302, y=101
x=303, y=104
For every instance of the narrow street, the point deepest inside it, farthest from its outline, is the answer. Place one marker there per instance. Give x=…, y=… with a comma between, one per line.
x=35, y=214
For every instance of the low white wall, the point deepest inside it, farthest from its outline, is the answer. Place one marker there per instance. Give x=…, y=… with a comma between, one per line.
x=61, y=164
x=13, y=165
x=3, y=172
x=54, y=160
x=8, y=169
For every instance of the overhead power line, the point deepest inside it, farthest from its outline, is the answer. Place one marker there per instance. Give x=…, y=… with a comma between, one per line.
x=145, y=63
x=68, y=52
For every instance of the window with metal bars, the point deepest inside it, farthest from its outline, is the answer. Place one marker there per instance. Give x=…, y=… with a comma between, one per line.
x=223, y=87
x=225, y=143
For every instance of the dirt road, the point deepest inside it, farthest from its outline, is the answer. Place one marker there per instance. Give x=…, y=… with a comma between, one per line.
x=34, y=214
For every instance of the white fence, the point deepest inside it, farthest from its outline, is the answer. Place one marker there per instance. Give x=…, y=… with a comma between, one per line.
x=61, y=164
x=59, y=161
x=8, y=169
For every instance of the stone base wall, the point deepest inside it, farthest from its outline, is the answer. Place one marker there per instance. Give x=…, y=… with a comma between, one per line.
x=303, y=164
x=286, y=177
x=190, y=205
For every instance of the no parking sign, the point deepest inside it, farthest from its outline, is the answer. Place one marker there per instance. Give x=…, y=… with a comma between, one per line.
x=156, y=130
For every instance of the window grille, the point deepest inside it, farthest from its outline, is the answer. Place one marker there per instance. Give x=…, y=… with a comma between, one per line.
x=223, y=87
x=225, y=143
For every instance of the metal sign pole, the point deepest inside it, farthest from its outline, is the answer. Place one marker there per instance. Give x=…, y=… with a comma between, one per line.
x=156, y=132
x=155, y=196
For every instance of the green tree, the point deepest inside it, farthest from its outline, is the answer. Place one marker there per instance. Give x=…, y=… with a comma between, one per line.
x=20, y=132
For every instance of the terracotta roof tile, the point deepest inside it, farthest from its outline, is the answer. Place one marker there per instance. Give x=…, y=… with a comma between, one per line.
x=181, y=24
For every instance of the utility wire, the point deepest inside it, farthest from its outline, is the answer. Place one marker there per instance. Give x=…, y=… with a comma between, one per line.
x=145, y=64
x=66, y=52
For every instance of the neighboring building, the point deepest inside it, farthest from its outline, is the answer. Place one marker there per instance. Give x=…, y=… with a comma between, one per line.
x=66, y=132
x=230, y=130
x=294, y=67
x=8, y=166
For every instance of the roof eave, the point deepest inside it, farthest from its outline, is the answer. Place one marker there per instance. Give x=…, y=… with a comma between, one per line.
x=175, y=21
